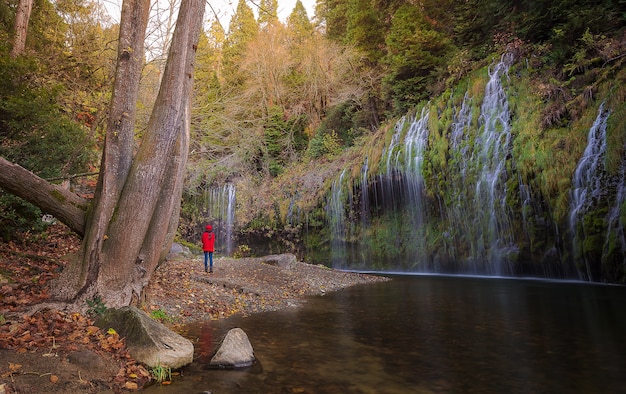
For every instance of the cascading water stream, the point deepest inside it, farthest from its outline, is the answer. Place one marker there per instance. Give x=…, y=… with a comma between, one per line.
x=616, y=225
x=493, y=147
x=220, y=203
x=230, y=218
x=458, y=210
x=336, y=214
x=587, y=182
x=415, y=142
x=480, y=220
x=387, y=180
x=403, y=188
x=365, y=206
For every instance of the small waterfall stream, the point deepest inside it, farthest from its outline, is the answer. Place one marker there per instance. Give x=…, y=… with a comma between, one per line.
x=336, y=212
x=493, y=147
x=479, y=218
x=354, y=211
x=615, y=241
x=588, y=185
x=220, y=202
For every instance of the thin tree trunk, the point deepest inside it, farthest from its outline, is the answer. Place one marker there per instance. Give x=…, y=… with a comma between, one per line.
x=22, y=15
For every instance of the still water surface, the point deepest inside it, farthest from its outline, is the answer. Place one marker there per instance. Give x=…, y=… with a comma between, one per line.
x=428, y=334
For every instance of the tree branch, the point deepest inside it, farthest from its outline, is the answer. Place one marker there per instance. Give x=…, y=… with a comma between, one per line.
x=64, y=205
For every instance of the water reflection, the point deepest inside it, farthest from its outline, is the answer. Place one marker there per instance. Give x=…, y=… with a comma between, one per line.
x=429, y=334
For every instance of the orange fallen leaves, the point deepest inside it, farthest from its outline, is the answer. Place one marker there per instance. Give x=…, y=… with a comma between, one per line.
x=28, y=265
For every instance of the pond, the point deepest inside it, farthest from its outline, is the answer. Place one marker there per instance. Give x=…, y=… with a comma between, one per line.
x=428, y=334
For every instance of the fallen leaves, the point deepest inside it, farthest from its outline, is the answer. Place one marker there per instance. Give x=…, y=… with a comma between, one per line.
x=72, y=332
x=26, y=268
x=33, y=332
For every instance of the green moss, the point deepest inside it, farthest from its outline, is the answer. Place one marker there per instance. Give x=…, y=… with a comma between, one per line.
x=57, y=195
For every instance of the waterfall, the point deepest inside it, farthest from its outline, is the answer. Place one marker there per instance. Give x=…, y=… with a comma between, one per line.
x=458, y=210
x=615, y=241
x=387, y=193
x=336, y=214
x=494, y=146
x=355, y=210
x=587, y=182
x=220, y=203
x=403, y=193
x=450, y=198
x=415, y=143
x=230, y=218
x=388, y=153
x=364, y=194
x=479, y=217
x=462, y=123
x=587, y=179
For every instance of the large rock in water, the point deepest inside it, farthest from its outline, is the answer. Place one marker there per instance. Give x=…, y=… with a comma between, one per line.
x=147, y=340
x=234, y=352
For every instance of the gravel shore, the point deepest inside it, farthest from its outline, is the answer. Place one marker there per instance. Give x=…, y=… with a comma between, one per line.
x=185, y=293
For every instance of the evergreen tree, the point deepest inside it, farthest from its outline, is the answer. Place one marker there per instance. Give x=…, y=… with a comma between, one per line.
x=268, y=12
x=364, y=29
x=415, y=51
x=298, y=23
x=332, y=14
x=209, y=58
x=242, y=30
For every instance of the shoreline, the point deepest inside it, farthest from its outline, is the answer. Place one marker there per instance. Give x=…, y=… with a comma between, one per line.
x=57, y=351
x=182, y=291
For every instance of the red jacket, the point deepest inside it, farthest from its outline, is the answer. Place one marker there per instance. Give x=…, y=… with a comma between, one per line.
x=208, y=241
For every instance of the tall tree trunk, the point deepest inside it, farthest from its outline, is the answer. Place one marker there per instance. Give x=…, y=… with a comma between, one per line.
x=79, y=276
x=134, y=207
x=22, y=15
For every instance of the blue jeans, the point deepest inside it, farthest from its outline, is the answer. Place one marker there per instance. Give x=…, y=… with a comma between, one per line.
x=208, y=257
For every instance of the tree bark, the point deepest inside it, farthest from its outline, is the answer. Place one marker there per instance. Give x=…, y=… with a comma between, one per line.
x=129, y=229
x=22, y=16
x=79, y=276
x=64, y=205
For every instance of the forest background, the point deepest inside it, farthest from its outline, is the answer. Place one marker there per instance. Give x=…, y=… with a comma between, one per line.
x=281, y=108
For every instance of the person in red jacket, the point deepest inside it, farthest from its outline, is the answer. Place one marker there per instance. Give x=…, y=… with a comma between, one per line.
x=208, y=247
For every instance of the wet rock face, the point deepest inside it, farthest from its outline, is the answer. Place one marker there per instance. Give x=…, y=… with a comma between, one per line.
x=234, y=352
x=148, y=341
